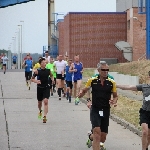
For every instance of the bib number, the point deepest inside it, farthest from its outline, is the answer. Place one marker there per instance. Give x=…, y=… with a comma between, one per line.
x=101, y=113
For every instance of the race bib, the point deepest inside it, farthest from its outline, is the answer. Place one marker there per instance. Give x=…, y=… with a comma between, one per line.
x=147, y=98
x=101, y=113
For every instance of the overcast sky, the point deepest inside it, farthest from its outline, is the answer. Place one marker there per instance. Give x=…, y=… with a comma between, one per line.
x=35, y=17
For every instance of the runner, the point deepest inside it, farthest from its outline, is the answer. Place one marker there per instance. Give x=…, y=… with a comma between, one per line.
x=43, y=87
x=144, y=111
x=14, y=59
x=64, y=91
x=28, y=71
x=47, y=57
x=102, y=88
x=1, y=61
x=50, y=66
x=77, y=66
x=90, y=134
x=5, y=60
x=69, y=74
x=60, y=66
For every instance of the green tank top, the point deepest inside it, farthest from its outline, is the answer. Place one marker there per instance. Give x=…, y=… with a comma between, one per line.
x=51, y=67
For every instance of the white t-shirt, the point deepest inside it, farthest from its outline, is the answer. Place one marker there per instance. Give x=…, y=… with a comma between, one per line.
x=48, y=58
x=5, y=59
x=60, y=66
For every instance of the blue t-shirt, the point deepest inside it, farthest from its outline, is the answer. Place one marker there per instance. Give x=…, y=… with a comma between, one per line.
x=78, y=74
x=29, y=65
x=68, y=74
x=14, y=58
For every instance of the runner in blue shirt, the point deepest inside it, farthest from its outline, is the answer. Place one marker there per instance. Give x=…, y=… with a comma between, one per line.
x=28, y=70
x=14, y=58
x=69, y=80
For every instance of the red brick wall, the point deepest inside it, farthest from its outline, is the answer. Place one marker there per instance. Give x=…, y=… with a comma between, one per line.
x=67, y=34
x=136, y=35
x=93, y=35
x=61, y=37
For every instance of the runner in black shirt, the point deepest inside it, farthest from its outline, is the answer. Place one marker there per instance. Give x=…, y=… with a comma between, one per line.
x=43, y=87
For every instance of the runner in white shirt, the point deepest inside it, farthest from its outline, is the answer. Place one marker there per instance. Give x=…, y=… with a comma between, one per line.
x=47, y=57
x=60, y=66
x=4, y=61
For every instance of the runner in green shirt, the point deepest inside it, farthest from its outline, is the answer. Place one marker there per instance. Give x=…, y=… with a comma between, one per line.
x=50, y=66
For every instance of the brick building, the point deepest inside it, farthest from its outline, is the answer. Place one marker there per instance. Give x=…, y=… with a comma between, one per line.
x=92, y=36
x=136, y=33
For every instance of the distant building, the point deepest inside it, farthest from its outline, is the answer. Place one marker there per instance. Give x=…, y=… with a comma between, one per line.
x=123, y=5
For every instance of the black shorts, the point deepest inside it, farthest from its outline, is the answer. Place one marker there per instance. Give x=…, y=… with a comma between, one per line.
x=14, y=62
x=28, y=75
x=59, y=76
x=4, y=65
x=69, y=84
x=99, y=121
x=144, y=117
x=43, y=93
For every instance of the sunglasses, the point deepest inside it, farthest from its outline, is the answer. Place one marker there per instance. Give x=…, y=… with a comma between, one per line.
x=104, y=69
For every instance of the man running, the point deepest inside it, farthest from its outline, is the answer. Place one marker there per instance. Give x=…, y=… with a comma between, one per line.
x=50, y=66
x=1, y=61
x=28, y=70
x=47, y=57
x=102, y=88
x=69, y=74
x=60, y=66
x=77, y=66
x=4, y=60
x=43, y=87
x=14, y=60
x=64, y=89
x=144, y=111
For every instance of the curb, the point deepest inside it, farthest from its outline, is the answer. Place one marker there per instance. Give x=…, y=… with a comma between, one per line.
x=122, y=122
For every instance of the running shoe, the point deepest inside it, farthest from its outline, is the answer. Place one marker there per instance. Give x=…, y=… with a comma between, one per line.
x=102, y=146
x=77, y=100
x=89, y=141
x=40, y=115
x=44, y=119
x=29, y=87
x=60, y=98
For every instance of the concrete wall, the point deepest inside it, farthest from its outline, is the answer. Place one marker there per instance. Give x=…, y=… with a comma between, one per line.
x=124, y=79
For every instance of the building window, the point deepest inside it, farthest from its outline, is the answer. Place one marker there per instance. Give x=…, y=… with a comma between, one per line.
x=128, y=24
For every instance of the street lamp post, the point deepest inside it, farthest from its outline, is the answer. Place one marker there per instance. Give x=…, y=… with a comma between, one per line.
x=20, y=54
x=22, y=39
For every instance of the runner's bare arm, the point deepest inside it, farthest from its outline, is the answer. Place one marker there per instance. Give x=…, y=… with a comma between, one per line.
x=71, y=69
x=127, y=87
x=51, y=75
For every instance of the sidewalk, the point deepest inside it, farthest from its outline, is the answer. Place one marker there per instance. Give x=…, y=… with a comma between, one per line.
x=66, y=128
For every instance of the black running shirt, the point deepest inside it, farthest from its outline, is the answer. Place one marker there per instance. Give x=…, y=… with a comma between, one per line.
x=43, y=76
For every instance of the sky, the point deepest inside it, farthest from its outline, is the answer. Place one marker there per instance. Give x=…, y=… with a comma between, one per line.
x=35, y=17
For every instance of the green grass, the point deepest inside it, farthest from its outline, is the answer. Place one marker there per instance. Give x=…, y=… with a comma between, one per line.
x=88, y=72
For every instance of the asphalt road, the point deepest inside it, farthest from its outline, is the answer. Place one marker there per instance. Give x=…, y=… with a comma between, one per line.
x=66, y=128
